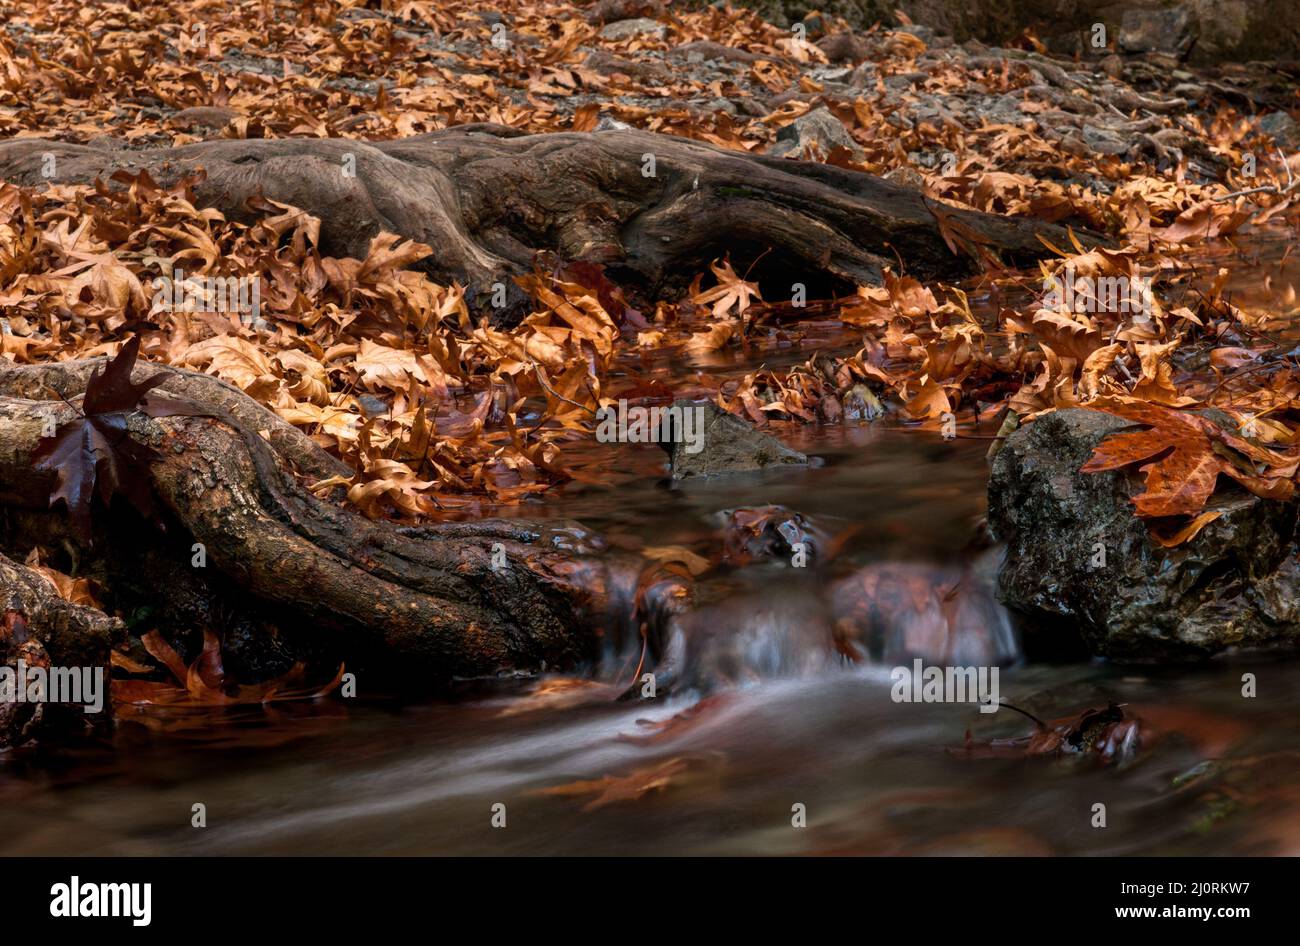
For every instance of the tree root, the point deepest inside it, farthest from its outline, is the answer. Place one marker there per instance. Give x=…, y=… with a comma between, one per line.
x=654, y=209
x=455, y=599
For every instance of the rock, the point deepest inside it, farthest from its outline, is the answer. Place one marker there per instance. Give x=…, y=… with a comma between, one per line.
x=1104, y=141
x=863, y=76
x=767, y=533
x=818, y=129
x=373, y=406
x=906, y=175
x=1113, y=66
x=1169, y=31
x=608, y=64
x=609, y=11
x=1282, y=127
x=609, y=123
x=640, y=26
x=893, y=612
x=846, y=46
x=210, y=116
x=704, y=49
x=728, y=445
x=1079, y=562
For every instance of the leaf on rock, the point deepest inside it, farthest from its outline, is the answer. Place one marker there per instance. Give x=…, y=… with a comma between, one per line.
x=1186, y=452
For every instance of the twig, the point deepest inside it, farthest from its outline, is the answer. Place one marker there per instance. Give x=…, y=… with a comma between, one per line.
x=1291, y=184
x=556, y=394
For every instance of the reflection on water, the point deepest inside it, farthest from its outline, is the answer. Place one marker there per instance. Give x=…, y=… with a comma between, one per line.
x=875, y=777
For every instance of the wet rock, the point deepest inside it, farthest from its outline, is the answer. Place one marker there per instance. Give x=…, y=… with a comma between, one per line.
x=767, y=533
x=1169, y=31
x=726, y=444
x=1079, y=565
x=640, y=26
x=818, y=129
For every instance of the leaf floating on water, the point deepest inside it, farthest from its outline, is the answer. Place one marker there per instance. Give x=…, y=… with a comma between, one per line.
x=656, y=731
x=558, y=693
x=1108, y=734
x=203, y=684
x=633, y=786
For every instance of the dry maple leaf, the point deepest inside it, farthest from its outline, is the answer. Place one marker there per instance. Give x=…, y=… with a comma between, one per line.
x=731, y=291
x=1187, y=453
x=95, y=451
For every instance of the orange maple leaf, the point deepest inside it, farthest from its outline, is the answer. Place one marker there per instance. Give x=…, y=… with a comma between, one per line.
x=1188, y=452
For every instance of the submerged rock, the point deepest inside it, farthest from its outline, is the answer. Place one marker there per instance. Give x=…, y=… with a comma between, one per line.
x=1080, y=564
x=892, y=612
x=767, y=533
x=727, y=445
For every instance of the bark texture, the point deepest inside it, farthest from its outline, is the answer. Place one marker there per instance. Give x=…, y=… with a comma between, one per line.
x=428, y=598
x=489, y=200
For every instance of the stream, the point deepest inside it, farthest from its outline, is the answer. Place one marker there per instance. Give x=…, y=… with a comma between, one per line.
x=771, y=723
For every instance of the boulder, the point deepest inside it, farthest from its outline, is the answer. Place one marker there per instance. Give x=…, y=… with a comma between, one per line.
x=1282, y=128
x=1169, y=31
x=1079, y=564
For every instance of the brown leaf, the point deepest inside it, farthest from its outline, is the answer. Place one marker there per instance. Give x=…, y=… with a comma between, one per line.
x=1187, y=453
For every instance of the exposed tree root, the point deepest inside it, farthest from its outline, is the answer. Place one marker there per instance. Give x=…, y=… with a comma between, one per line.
x=72, y=634
x=454, y=599
x=489, y=199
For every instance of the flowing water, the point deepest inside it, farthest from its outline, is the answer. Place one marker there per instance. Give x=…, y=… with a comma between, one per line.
x=768, y=718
